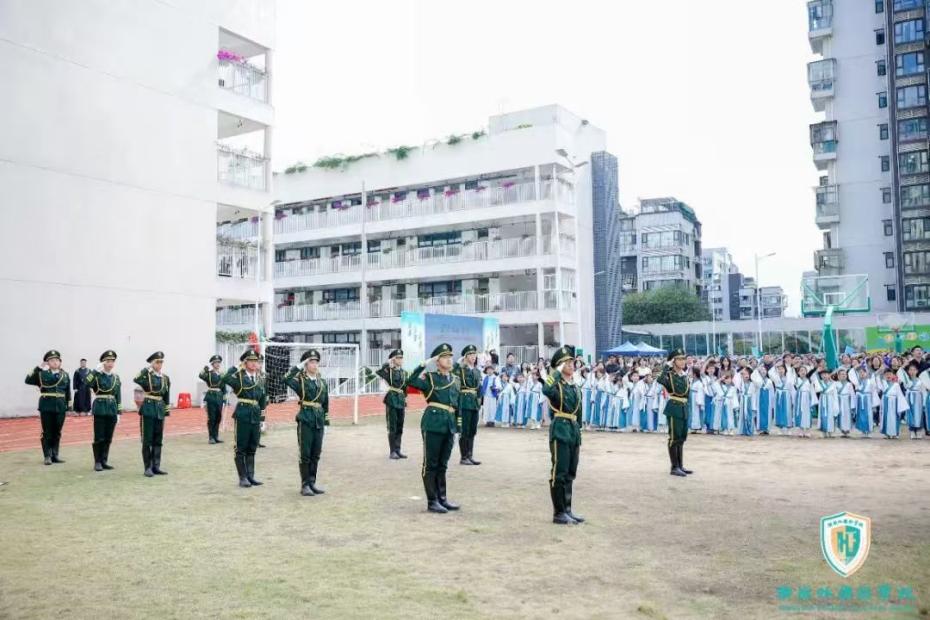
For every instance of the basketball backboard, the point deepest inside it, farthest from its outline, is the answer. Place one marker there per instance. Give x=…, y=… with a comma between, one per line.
x=846, y=294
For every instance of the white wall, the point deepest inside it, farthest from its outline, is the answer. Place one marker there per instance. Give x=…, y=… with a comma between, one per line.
x=108, y=170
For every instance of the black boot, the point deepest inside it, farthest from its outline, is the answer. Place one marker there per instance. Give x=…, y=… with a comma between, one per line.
x=156, y=462
x=54, y=452
x=392, y=443
x=681, y=464
x=105, y=455
x=463, y=451
x=442, y=493
x=304, y=480
x=397, y=438
x=240, y=469
x=559, y=517
x=471, y=452
x=430, y=482
x=45, y=452
x=568, y=503
x=311, y=479
x=212, y=441
x=250, y=470
x=673, y=455
x=147, y=461
x=97, y=457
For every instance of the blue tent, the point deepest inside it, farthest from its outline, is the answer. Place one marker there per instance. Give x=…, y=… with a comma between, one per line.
x=627, y=348
x=645, y=349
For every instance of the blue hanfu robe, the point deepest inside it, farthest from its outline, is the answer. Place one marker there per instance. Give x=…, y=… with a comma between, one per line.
x=894, y=403
x=586, y=402
x=505, y=402
x=709, y=393
x=829, y=407
x=533, y=409
x=782, y=403
x=746, y=412
x=864, y=408
x=519, y=409
x=729, y=406
x=696, y=406
x=916, y=395
x=803, y=404
x=649, y=415
x=847, y=397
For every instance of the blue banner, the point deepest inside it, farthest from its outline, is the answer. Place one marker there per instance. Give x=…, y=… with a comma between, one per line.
x=421, y=333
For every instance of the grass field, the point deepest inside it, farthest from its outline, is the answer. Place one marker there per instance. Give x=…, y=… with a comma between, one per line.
x=79, y=544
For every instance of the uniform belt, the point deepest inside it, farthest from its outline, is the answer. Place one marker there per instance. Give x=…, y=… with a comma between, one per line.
x=153, y=397
x=567, y=416
x=52, y=394
x=309, y=403
x=678, y=399
x=99, y=396
x=469, y=390
x=213, y=389
x=394, y=389
x=248, y=401
x=441, y=406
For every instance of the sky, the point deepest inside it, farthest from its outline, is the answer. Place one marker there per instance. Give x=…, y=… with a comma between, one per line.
x=704, y=101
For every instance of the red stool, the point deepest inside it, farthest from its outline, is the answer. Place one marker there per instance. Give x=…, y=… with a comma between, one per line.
x=184, y=400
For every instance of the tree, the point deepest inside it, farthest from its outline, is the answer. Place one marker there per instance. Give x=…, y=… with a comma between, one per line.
x=671, y=304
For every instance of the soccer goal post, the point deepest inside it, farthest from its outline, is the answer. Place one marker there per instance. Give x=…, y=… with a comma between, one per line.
x=340, y=367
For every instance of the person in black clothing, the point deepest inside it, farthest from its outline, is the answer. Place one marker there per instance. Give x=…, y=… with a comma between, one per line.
x=81, y=389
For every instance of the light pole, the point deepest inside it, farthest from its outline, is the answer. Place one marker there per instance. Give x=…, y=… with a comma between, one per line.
x=572, y=166
x=759, y=297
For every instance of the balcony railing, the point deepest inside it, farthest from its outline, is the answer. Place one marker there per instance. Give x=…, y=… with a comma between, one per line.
x=511, y=301
x=476, y=251
x=236, y=262
x=828, y=262
x=238, y=230
x=413, y=206
x=819, y=15
x=319, y=312
x=235, y=316
x=523, y=353
x=243, y=79
x=314, y=266
x=555, y=300
x=824, y=148
x=240, y=167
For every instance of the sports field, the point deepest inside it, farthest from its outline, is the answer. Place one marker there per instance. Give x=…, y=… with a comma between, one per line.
x=79, y=544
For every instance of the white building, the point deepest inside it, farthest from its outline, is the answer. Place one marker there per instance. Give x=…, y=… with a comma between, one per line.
x=716, y=267
x=116, y=121
x=873, y=199
x=493, y=223
x=660, y=245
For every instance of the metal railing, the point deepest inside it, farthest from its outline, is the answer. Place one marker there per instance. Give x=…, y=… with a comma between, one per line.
x=246, y=230
x=314, y=266
x=243, y=79
x=522, y=353
x=478, y=250
x=819, y=15
x=823, y=148
x=318, y=219
x=236, y=262
x=319, y=312
x=510, y=301
x=240, y=167
x=235, y=316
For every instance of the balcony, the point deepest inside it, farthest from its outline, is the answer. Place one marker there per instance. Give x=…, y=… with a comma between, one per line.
x=456, y=253
x=820, y=77
x=315, y=266
x=819, y=23
x=243, y=230
x=319, y=312
x=628, y=283
x=237, y=261
x=828, y=206
x=824, y=152
x=829, y=262
x=235, y=316
x=238, y=76
x=510, y=301
x=559, y=300
x=241, y=168
x=408, y=204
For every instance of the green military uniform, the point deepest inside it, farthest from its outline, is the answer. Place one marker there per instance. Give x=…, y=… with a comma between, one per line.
x=469, y=405
x=312, y=417
x=152, y=414
x=678, y=386
x=564, y=437
x=249, y=413
x=54, y=402
x=106, y=410
x=438, y=426
x=395, y=402
x=214, y=399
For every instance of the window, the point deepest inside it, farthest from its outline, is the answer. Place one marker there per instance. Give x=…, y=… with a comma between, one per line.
x=915, y=228
x=890, y=293
x=886, y=195
x=912, y=96
x=659, y=264
x=885, y=162
x=909, y=64
x=883, y=131
x=340, y=294
x=665, y=239
x=905, y=32
x=905, y=5
x=883, y=100
x=913, y=163
x=879, y=6
x=916, y=296
x=374, y=247
x=912, y=129
x=280, y=256
x=888, y=228
x=889, y=260
x=341, y=337
x=437, y=239
x=880, y=36
x=915, y=195
x=308, y=253
x=345, y=249
x=880, y=68
x=434, y=289
x=916, y=262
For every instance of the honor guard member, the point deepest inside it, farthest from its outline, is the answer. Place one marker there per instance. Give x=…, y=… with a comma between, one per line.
x=157, y=388
x=215, y=397
x=469, y=404
x=395, y=401
x=250, y=411
x=107, y=407
x=676, y=382
x=54, y=401
x=438, y=425
x=564, y=433
x=312, y=417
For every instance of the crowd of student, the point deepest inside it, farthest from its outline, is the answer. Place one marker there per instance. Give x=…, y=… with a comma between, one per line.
x=730, y=395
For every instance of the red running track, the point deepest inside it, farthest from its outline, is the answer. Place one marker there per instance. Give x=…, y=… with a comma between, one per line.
x=24, y=433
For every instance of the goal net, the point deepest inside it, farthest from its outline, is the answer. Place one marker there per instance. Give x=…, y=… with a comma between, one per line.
x=340, y=366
